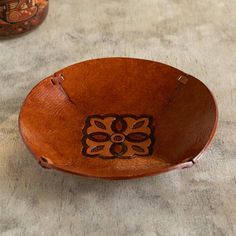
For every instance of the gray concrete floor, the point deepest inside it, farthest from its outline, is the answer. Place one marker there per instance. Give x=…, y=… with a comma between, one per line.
x=197, y=37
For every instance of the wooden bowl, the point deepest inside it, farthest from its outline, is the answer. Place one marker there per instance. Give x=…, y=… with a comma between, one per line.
x=118, y=118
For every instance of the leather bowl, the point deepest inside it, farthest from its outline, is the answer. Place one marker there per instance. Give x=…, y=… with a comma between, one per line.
x=118, y=118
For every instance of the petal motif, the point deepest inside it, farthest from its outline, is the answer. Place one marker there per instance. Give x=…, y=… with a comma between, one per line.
x=99, y=137
x=101, y=149
x=137, y=137
x=118, y=149
x=140, y=149
x=140, y=125
x=100, y=125
x=119, y=125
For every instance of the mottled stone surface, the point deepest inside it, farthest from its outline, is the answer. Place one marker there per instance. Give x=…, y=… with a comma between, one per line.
x=198, y=37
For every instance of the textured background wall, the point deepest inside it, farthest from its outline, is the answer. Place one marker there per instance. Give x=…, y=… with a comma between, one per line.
x=197, y=37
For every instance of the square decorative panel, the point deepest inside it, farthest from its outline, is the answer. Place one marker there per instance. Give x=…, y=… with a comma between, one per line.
x=114, y=136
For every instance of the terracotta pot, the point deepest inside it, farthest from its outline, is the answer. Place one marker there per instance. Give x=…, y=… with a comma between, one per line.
x=20, y=16
x=118, y=118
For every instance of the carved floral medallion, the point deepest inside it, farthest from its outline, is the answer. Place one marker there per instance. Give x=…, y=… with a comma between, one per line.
x=117, y=136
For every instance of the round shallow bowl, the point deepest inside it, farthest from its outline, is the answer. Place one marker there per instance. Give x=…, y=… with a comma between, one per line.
x=118, y=118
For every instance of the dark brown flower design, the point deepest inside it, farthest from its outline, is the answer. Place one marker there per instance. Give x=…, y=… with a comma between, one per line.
x=117, y=136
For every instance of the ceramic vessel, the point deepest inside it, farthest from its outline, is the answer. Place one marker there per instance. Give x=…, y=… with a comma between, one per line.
x=20, y=16
x=118, y=118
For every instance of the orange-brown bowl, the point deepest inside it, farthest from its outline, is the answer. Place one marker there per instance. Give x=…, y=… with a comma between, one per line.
x=118, y=118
